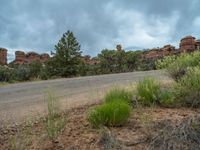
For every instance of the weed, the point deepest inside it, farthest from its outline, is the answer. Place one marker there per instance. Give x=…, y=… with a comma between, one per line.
x=54, y=122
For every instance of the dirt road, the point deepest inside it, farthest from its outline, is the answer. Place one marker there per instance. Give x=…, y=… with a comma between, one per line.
x=24, y=100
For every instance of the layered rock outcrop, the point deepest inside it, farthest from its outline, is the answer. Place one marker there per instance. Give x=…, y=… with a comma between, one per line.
x=159, y=52
x=188, y=44
x=27, y=58
x=3, y=56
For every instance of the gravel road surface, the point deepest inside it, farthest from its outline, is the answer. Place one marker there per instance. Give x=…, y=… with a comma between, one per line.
x=23, y=100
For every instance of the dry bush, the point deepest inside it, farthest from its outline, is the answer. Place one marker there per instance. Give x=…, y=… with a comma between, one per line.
x=185, y=136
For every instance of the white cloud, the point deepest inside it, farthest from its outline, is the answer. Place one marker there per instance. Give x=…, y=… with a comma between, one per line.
x=140, y=30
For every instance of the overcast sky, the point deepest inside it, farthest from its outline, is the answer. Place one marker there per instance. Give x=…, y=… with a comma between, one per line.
x=37, y=25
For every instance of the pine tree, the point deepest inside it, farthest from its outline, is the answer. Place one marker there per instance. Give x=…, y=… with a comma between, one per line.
x=68, y=55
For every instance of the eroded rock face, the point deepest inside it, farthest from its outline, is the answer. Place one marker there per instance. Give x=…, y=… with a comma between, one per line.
x=188, y=44
x=22, y=58
x=44, y=57
x=32, y=57
x=3, y=56
x=159, y=52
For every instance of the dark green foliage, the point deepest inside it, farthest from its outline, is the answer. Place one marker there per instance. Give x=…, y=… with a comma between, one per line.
x=112, y=61
x=23, y=73
x=68, y=56
x=44, y=74
x=35, y=69
x=133, y=61
x=119, y=94
x=6, y=74
x=109, y=114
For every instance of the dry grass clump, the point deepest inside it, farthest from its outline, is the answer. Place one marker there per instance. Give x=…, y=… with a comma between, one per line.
x=185, y=136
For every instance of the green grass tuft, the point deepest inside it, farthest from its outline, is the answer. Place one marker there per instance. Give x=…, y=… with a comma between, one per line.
x=118, y=94
x=148, y=91
x=109, y=114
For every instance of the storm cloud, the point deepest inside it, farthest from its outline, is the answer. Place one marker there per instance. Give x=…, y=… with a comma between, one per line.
x=38, y=24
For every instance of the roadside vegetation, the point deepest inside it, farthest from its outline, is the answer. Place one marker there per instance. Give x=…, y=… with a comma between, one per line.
x=148, y=110
x=68, y=61
x=55, y=120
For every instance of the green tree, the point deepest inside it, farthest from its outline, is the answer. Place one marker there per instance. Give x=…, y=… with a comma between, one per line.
x=107, y=60
x=133, y=60
x=68, y=55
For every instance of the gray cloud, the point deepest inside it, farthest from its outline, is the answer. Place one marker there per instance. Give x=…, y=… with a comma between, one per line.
x=38, y=24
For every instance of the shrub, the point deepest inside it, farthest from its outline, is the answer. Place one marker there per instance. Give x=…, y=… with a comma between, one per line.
x=167, y=98
x=165, y=62
x=119, y=94
x=35, y=69
x=148, y=91
x=23, y=73
x=109, y=114
x=188, y=88
x=6, y=74
x=178, y=66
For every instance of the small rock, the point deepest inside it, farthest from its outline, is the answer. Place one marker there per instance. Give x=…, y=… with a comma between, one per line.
x=61, y=146
x=5, y=132
x=56, y=141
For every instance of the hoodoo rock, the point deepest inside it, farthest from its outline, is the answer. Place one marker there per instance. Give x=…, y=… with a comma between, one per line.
x=32, y=57
x=20, y=57
x=188, y=44
x=3, y=56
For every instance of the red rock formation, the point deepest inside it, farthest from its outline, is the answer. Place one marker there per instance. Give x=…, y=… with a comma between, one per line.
x=3, y=56
x=188, y=44
x=159, y=52
x=90, y=61
x=44, y=57
x=32, y=57
x=20, y=57
x=86, y=59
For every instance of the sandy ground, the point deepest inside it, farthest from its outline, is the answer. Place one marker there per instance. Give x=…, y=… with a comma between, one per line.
x=27, y=100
